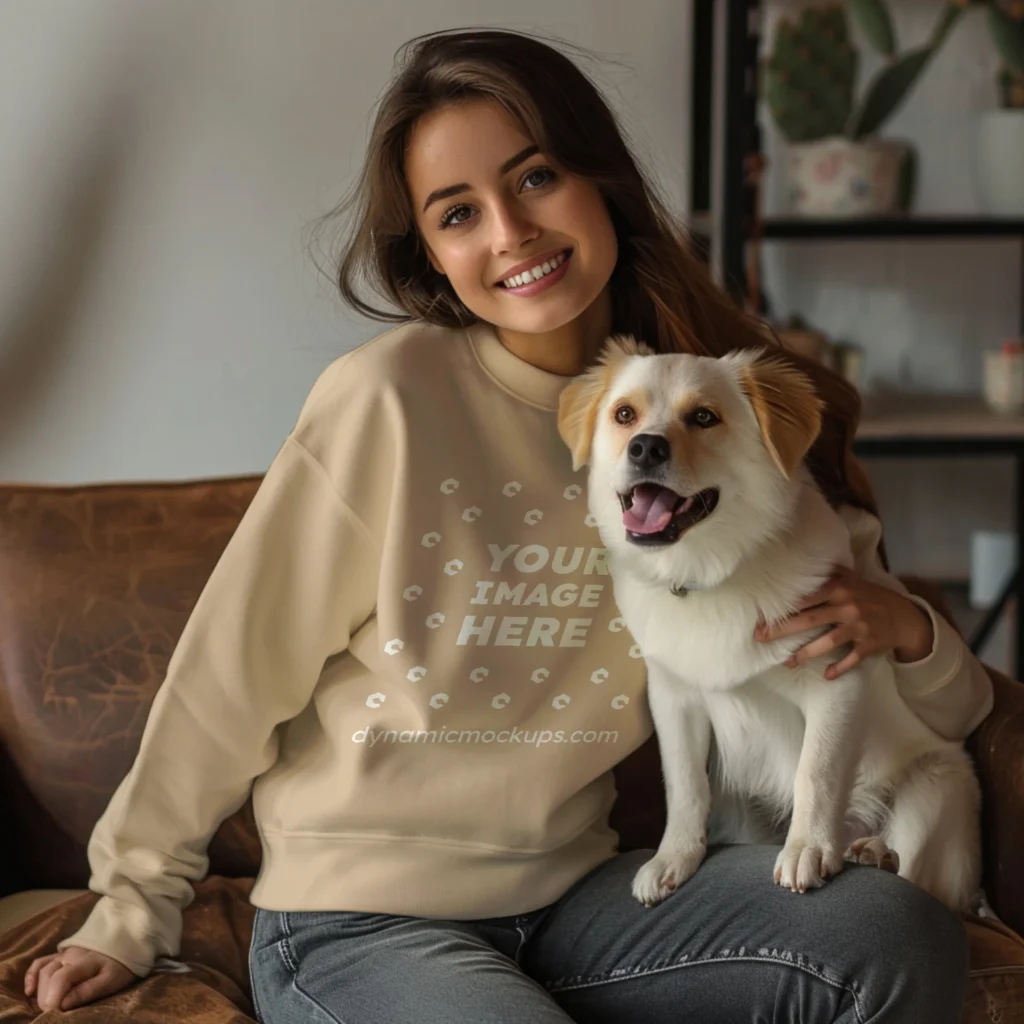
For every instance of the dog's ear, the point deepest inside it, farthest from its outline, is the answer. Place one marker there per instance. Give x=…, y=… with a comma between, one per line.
x=577, y=411
x=787, y=408
x=620, y=346
x=580, y=399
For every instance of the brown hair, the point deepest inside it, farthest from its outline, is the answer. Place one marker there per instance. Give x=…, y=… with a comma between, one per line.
x=660, y=291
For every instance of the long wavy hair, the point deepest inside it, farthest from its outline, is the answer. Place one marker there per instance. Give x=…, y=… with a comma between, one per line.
x=661, y=292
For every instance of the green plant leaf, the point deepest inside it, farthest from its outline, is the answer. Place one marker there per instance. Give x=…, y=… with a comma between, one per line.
x=950, y=16
x=1008, y=35
x=887, y=91
x=873, y=18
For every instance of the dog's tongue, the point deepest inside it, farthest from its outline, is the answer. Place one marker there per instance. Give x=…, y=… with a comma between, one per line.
x=651, y=510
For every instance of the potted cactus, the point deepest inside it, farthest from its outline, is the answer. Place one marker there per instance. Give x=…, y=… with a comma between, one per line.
x=1000, y=157
x=837, y=164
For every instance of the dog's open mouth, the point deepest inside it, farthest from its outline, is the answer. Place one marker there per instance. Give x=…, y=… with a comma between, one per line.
x=653, y=514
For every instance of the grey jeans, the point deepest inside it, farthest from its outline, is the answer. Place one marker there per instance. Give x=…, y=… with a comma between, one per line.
x=728, y=946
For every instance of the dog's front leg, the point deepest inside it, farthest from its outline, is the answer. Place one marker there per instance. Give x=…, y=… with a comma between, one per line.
x=684, y=736
x=833, y=715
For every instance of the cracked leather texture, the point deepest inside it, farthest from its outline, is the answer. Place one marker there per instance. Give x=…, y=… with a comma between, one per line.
x=96, y=584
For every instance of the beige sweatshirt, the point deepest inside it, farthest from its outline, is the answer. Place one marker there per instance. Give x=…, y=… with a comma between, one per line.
x=410, y=650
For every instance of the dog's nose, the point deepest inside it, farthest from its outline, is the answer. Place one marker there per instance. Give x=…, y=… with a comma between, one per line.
x=649, y=450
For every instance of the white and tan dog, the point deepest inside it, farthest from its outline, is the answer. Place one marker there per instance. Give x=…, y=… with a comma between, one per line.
x=712, y=522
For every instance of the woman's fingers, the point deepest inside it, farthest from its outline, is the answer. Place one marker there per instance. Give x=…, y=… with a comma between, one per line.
x=843, y=666
x=74, y=977
x=32, y=974
x=89, y=989
x=815, y=618
x=56, y=979
x=822, y=645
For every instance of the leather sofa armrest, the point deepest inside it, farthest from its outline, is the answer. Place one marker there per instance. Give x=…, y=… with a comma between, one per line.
x=997, y=746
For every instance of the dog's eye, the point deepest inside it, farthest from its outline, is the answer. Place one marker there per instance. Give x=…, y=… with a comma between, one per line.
x=625, y=414
x=703, y=418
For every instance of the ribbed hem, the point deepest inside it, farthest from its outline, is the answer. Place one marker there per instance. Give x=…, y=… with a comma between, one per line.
x=515, y=375
x=419, y=878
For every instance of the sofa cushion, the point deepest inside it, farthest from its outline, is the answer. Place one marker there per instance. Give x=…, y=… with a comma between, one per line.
x=995, y=992
x=217, y=927
x=22, y=905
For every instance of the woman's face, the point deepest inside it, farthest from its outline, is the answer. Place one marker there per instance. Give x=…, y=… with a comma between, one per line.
x=489, y=205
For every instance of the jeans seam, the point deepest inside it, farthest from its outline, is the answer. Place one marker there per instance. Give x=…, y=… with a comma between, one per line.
x=252, y=974
x=292, y=965
x=595, y=980
x=523, y=936
x=284, y=946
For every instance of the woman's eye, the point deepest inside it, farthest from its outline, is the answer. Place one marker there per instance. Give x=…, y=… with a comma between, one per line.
x=460, y=214
x=704, y=418
x=449, y=216
x=546, y=175
x=624, y=414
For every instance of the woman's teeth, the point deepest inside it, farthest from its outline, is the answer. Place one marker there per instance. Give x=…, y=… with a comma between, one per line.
x=535, y=273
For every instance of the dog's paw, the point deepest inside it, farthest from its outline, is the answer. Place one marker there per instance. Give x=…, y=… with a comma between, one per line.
x=665, y=872
x=873, y=851
x=806, y=865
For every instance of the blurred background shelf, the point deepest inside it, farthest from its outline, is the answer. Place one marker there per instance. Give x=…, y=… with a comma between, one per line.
x=893, y=227
x=946, y=420
x=838, y=229
x=727, y=164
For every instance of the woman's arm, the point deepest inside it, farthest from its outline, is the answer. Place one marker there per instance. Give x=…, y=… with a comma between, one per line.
x=946, y=687
x=296, y=580
x=868, y=611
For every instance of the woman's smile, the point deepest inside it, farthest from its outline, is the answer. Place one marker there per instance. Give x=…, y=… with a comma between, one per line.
x=540, y=274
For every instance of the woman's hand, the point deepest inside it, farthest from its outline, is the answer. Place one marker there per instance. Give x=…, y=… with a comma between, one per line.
x=74, y=977
x=871, y=617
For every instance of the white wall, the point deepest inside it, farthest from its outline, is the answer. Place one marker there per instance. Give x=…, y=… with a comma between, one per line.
x=160, y=316
x=924, y=310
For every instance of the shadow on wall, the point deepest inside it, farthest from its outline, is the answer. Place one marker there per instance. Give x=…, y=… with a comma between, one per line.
x=40, y=319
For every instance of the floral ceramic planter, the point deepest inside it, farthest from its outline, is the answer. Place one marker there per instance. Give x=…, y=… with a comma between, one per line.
x=837, y=177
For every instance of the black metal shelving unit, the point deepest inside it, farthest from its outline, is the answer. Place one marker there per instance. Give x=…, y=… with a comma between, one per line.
x=725, y=139
x=893, y=228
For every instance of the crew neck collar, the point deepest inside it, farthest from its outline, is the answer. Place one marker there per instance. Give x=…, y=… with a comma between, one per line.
x=524, y=380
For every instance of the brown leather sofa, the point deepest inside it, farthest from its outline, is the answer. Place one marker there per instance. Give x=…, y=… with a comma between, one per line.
x=96, y=583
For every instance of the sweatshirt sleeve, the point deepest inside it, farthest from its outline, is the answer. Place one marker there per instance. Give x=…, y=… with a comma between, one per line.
x=296, y=580
x=948, y=689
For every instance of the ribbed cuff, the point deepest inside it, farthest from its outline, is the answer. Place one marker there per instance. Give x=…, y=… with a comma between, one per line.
x=104, y=933
x=940, y=665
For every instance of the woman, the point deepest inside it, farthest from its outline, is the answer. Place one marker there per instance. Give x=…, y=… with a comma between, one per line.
x=410, y=642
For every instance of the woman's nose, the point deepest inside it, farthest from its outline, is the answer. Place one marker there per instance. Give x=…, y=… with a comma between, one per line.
x=511, y=228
